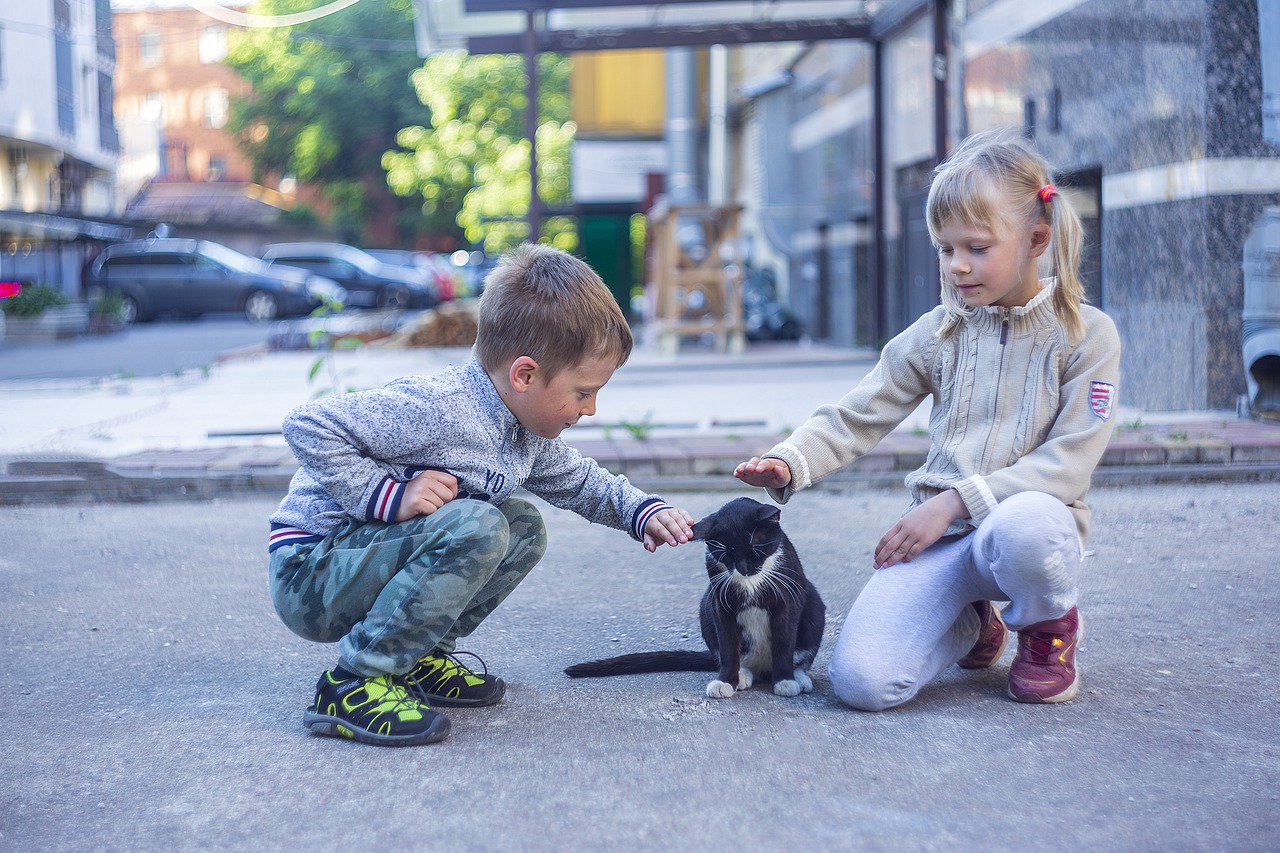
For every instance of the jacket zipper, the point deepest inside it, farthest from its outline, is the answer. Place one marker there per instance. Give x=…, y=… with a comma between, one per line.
x=995, y=402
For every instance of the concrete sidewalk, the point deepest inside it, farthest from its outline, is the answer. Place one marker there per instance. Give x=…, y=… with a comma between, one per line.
x=686, y=420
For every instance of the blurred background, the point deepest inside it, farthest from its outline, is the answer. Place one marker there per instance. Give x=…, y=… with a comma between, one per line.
x=736, y=171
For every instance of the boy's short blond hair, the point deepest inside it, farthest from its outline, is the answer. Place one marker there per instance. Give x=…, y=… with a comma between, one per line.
x=544, y=303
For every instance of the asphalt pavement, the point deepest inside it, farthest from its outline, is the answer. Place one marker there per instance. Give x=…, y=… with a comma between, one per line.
x=154, y=701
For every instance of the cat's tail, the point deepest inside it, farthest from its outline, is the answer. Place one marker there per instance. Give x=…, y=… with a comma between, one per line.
x=640, y=662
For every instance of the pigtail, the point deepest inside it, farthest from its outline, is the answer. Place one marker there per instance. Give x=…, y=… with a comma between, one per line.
x=1066, y=238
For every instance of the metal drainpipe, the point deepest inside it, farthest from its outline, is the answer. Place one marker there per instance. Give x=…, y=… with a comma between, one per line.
x=717, y=143
x=682, y=143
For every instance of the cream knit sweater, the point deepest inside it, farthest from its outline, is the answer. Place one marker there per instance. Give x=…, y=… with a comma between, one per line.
x=1017, y=407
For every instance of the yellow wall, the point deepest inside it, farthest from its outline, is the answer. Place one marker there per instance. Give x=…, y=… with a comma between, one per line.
x=618, y=92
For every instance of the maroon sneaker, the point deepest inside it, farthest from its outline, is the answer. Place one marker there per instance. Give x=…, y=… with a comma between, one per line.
x=991, y=638
x=1044, y=670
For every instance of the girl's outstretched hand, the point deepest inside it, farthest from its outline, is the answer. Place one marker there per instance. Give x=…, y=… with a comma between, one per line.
x=766, y=473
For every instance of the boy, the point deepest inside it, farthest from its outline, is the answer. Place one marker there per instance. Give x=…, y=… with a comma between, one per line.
x=399, y=533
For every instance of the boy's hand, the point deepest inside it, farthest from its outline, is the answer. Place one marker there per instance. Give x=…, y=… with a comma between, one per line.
x=765, y=473
x=673, y=526
x=426, y=493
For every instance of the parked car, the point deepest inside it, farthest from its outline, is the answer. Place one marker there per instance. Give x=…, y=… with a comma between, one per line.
x=436, y=269
x=369, y=282
x=193, y=277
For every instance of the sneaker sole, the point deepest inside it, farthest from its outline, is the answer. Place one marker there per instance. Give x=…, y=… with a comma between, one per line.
x=323, y=724
x=435, y=700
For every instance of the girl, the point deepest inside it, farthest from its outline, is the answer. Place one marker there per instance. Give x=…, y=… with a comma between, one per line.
x=1023, y=379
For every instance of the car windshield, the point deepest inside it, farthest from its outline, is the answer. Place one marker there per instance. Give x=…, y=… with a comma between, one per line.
x=230, y=257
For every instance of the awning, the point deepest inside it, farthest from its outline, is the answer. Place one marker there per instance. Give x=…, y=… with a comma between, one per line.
x=54, y=228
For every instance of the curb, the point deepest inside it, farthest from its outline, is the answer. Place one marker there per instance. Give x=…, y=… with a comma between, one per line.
x=1230, y=451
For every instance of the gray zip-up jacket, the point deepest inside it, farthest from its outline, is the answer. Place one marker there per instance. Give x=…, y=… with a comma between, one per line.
x=1017, y=407
x=358, y=450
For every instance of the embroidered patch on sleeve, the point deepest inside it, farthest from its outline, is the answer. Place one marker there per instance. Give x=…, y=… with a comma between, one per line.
x=1102, y=397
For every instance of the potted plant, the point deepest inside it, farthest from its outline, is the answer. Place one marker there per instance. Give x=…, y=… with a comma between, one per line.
x=40, y=312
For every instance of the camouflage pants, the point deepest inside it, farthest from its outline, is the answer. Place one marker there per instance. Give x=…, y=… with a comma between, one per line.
x=390, y=593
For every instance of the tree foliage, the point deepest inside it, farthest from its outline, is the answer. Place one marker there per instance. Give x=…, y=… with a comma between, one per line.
x=471, y=163
x=327, y=99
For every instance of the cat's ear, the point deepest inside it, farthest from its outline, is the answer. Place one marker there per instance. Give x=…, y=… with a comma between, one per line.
x=702, y=529
x=768, y=513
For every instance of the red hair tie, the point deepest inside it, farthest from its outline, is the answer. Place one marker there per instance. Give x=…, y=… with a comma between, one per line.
x=1047, y=192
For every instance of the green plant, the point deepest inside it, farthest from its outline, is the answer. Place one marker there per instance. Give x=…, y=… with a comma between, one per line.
x=33, y=300
x=1134, y=425
x=642, y=429
x=319, y=338
x=1178, y=436
x=108, y=306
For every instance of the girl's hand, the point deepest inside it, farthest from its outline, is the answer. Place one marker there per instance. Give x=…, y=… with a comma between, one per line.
x=765, y=473
x=426, y=493
x=672, y=526
x=919, y=529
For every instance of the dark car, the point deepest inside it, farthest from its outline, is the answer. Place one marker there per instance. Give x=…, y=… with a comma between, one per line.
x=193, y=277
x=368, y=281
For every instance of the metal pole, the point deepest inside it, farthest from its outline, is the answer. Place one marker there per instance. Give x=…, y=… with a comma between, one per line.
x=531, y=125
x=940, y=80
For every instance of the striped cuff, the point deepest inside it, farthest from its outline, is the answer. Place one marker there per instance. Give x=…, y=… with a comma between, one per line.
x=385, y=502
x=647, y=510
x=282, y=535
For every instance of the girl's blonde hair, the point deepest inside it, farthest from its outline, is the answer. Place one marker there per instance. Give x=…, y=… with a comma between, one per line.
x=544, y=303
x=995, y=181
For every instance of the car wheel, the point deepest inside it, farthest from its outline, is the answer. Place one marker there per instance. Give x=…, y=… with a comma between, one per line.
x=394, y=297
x=261, y=307
x=129, y=311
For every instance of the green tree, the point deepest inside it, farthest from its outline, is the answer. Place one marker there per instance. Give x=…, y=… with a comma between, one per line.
x=471, y=164
x=328, y=98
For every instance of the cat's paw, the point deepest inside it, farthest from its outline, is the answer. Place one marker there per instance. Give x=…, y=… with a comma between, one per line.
x=787, y=687
x=805, y=682
x=719, y=689
x=745, y=678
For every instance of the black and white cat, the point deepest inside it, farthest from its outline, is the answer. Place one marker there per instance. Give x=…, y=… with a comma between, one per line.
x=761, y=617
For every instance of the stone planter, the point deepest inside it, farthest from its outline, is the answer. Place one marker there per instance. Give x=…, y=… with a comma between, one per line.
x=52, y=325
x=106, y=325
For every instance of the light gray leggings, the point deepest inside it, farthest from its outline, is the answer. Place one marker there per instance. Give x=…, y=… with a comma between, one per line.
x=912, y=620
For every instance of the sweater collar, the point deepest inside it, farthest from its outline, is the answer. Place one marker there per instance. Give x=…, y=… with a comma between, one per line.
x=1036, y=313
x=489, y=396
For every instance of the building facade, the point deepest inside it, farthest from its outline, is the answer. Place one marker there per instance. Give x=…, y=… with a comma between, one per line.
x=1152, y=113
x=173, y=95
x=58, y=142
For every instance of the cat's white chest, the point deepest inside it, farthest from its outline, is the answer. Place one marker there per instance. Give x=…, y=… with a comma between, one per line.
x=754, y=622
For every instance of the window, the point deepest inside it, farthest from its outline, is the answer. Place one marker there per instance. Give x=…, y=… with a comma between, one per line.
x=213, y=44
x=152, y=107
x=217, y=168
x=88, y=87
x=216, y=105
x=149, y=48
